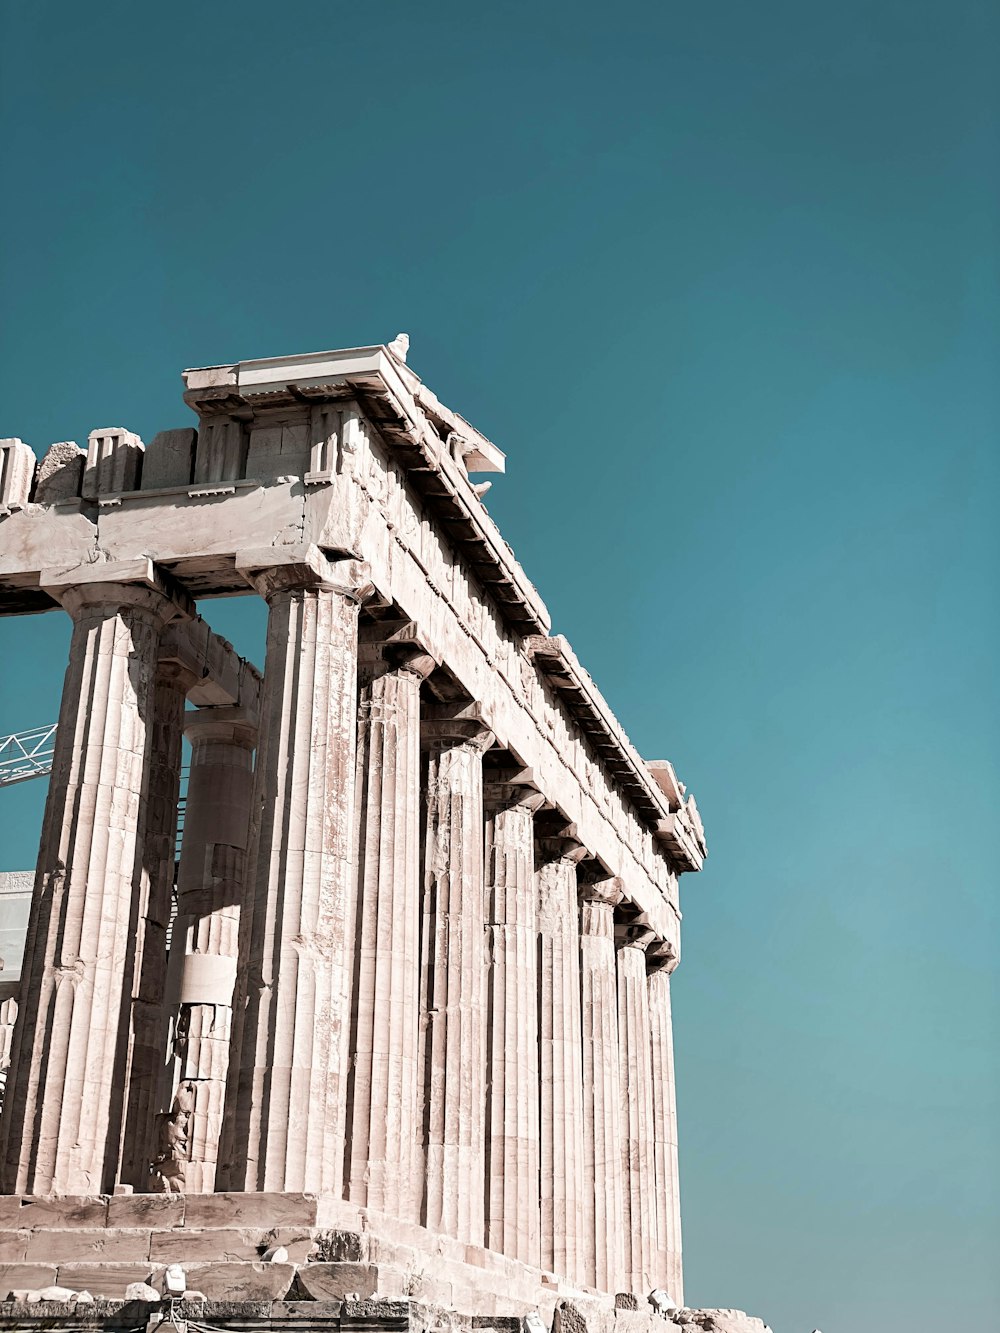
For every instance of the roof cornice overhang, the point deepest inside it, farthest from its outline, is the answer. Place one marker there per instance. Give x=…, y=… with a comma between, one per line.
x=386, y=391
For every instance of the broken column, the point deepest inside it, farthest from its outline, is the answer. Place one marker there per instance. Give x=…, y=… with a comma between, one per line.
x=383, y=1121
x=453, y=976
x=638, y=1196
x=512, y=1133
x=66, y=1087
x=287, y=1085
x=204, y=944
x=602, y=1184
x=669, y=1269
x=560, y=1058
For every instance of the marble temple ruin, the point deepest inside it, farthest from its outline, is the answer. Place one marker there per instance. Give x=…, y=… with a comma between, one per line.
x=395, y=1026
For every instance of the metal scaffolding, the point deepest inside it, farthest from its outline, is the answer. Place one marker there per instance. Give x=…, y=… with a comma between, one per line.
x=26, y=754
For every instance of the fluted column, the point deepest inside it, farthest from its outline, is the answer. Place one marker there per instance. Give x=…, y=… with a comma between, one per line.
x=638, y=1192
x=561, y=1060
x=383, y=1106
x=669, y=1271
x=287, y=1086
x=602, y=1185
x=66, y=1088
x=157, y=836
x=204, y=946
x=512, y=1132
x=453, y=979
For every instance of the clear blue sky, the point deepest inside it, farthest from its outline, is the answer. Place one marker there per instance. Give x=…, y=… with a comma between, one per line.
x=722, y=280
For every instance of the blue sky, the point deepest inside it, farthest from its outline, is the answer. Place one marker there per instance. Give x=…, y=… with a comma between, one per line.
x=722, y=281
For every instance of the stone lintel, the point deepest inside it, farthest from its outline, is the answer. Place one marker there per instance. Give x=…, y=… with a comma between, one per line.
x=273, y=569
x=220, y=676
x=90, y=580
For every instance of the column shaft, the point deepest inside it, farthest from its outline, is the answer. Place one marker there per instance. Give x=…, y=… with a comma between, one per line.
x=383, y=1122
x=287, y=1086
x=157, y=838
x=561, y=1080
x=512, y=1133
x=602, y=1194
x=67, y=1080
x=453, y=987
x=638, y=1194
x=670, y=1273
x=204, y=947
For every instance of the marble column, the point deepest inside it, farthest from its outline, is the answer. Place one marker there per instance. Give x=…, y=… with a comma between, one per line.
x=669, y=1270
x=453, y=979
x=383, y=1163
x=602, y=1185
x=637, y=1158
x=204, y=946
x=560, y=1059
x=66, y=1087
x=157, y=838
x=512, y=1130
x=287, y=1090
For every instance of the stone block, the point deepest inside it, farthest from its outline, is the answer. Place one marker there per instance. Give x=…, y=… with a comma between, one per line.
x=60, y=473
x=249, y=1210
x=10, y=1206
x=80, y=1245
x=186, y=1245
x=169, y=459
x=114, y=460
x=240, y=1281
x=335, y=1282
x=155, y=1211
x=30, y=1277
x=64, y=1212
x=17, y=472
x=108, y=1280
x=280, y=450
x=13, y=1246
x=336, y=1246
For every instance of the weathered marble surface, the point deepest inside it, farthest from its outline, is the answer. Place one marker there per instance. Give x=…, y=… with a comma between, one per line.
x=427, y=901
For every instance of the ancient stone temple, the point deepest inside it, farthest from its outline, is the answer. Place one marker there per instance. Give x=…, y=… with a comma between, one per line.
x=393, y=1034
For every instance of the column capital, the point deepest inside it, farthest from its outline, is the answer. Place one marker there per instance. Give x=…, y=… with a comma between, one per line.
x=139, y=583
x=235, y=726
x=176, y=674
x=406, y=657
x=272, y=570
x=561, y=847
x=634, y=935
x=510, y=787
x=607, y=890
x=446, y=725
x=661, y=956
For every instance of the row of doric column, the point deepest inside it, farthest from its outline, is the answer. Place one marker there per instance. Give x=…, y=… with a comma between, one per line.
x=387, y=980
